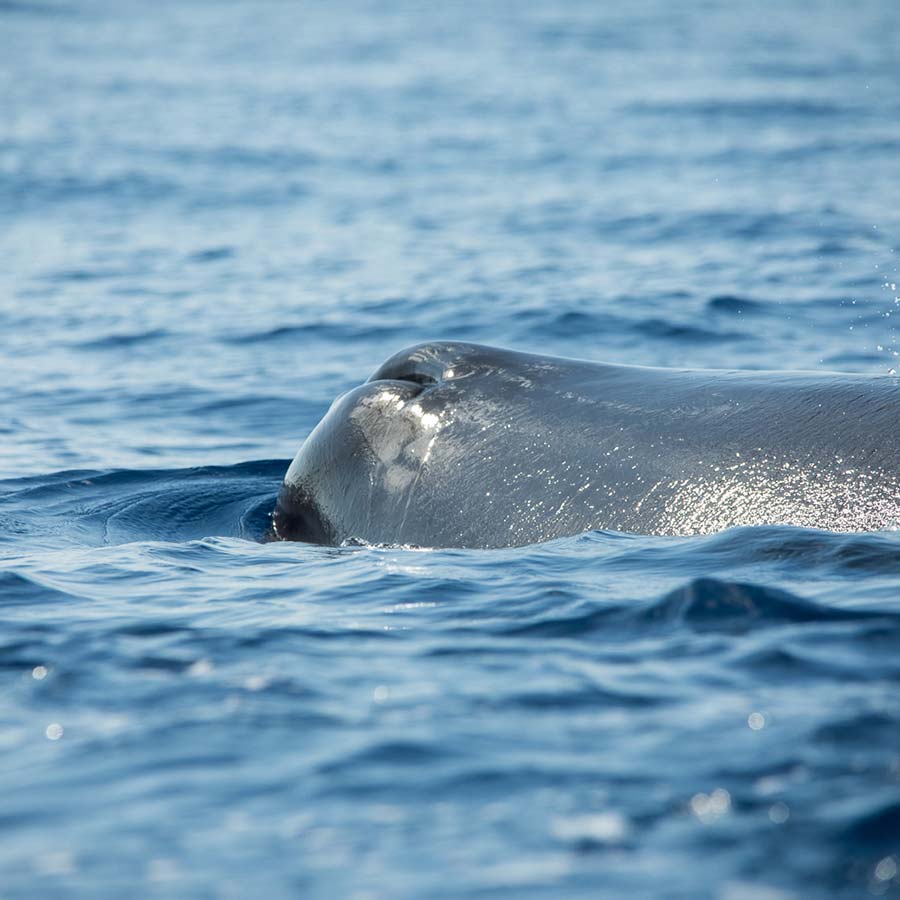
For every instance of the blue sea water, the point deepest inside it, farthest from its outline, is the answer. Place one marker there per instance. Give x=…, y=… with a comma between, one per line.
x=215, y=217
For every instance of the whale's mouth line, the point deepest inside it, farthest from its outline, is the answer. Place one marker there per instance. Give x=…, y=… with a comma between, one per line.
x=297, y=517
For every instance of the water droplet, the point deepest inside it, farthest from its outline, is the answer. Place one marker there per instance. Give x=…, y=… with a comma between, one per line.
x=779, y=812
x=886, y=869
x=720, y=801
x=201, y=667
x=700, y=804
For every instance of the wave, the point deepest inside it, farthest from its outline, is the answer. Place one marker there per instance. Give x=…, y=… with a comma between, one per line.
x=93, y=508
x=704, y=604
x=17, y=588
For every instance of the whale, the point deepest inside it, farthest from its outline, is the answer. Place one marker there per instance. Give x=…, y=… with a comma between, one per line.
x=459, y=445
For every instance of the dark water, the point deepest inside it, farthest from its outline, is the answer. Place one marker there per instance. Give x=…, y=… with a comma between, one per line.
x=214, y=218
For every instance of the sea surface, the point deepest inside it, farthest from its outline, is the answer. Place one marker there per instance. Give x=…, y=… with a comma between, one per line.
x=216, y=217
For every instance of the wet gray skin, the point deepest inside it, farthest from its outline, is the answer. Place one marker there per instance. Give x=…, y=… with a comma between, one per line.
x=462, y=445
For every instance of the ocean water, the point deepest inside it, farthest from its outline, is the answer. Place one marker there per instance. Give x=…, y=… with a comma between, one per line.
x=214, y=218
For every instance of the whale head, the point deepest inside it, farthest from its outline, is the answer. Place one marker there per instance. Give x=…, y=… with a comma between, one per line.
x=421, y=451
